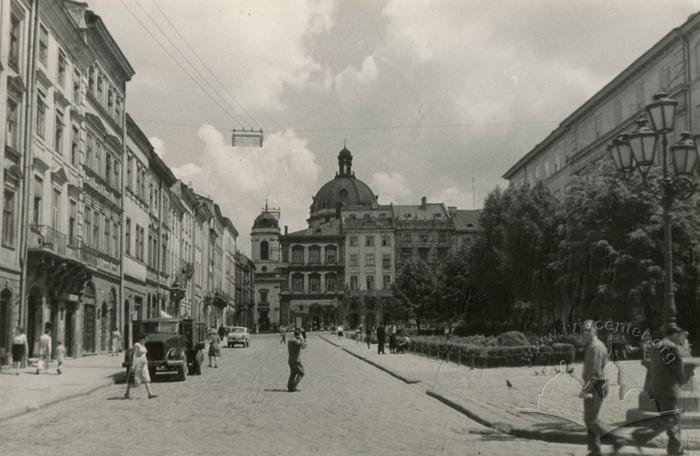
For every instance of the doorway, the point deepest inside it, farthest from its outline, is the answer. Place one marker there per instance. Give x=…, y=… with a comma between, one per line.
x=34, y=318
x=69, y=343
x=5, y=319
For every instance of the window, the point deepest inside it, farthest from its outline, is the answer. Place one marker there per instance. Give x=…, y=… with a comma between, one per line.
x=89, y=150
x=386, y=281
x=38, y=197
x=40, y=116
x=263, y=296
x=353, y=259
x=15, y=33
x=314, y=254
x=140, y=234
x=100, y=89
x=115, y=240
x=62, y=68
x=91, y=80
x=406, y=254
x=331, y=282
x=110, y=101
x=370, y=282
x=43, y=45
x=298, y=255
x=353, y=241
x=314, y=282
x=96, y=230
x=298, y=282
x=58, y=133
x=386, y=240
x=56, y=210
x=76, y=86
x=353, y=282
x=442, y=253
x=88, y=226
x=442, y=236
x=369, y=259
x=423, y=254
x=72, y=223
x=8, y=218
x=127, y=236
x=423, y=236
x=74, y=145
x=369, y=241
x=386, y=261
x=97, y=166
x=12, y=124
x=118, y=109
x=330, y=255
x=108, y=168
x=406, y=236
x=264, y=250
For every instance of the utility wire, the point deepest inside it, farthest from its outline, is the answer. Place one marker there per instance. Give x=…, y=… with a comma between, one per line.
x=223, y=108
x=193, y=66
x=255, y=122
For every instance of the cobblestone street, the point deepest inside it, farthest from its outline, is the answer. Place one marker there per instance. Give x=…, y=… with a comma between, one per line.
x=345, y=407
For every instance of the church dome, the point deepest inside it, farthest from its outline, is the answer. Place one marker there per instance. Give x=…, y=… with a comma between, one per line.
x=345, y=190
x=265, y=220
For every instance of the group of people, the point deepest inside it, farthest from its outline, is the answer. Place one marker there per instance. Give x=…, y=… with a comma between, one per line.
x=398, y=340
x=20, y=352
x=668, y=374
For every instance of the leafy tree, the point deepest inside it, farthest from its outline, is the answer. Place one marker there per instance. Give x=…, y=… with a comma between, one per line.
x=415, y=291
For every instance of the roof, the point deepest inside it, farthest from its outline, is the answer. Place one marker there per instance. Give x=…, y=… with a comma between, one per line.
x=428, y=211
x=331, y=228
x=266, y=220
x=466, y=219
x=344, y=190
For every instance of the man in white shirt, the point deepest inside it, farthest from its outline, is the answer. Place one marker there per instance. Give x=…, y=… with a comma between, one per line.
x=44, y=352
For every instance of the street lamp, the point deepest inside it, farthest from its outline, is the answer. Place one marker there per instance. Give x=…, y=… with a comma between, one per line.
x=637, y=151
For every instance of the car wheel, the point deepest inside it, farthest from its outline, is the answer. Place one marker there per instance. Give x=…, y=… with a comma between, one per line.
x=247, y=344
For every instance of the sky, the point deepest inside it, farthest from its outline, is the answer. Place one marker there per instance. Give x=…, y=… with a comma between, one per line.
x=434, y=98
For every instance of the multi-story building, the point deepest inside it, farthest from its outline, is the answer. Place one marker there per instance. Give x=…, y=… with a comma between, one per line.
x=265, y=254
x=16, y=70
x=369, y=264
x=466, y=227
x=245, y=291
x=229, y=270
x=671, y=65
x=424, y=232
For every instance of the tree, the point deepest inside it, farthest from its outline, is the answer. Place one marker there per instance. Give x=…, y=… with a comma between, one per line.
x=414, y=289
x=454, y=285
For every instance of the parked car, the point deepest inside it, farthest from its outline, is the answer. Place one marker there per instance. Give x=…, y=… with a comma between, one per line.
x=238, y=335
x=172, y=345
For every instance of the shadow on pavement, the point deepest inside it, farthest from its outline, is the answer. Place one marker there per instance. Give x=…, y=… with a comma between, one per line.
x=275, y=390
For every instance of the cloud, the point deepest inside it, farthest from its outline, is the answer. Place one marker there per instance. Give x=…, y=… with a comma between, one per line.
x=158, y=145
x=452, y=196
x=239, y=179
x=391, y=187
x=351, y=82
x=186, y=170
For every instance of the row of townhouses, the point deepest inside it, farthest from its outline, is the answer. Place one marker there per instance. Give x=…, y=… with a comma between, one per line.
x=339, y=270
x=96, y=229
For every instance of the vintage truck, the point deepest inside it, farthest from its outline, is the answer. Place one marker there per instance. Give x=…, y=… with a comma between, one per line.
x=172, y=345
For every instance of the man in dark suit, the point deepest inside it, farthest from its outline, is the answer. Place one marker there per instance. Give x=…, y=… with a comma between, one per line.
x=296, y=369
x=668, y=374
x=381, y=338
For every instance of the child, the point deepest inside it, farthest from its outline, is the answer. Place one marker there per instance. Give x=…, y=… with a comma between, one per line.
x=60, y=356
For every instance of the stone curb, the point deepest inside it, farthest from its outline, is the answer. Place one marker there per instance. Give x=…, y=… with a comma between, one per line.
x=403, y=378
x=19, y=411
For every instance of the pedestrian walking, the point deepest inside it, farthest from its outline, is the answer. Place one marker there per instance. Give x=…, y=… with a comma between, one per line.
x=391, y=332
x=595, y=389
x=138, y=369
x=283, y=335
x=381, y=338
x=340, y=331
x=214, y=349
x=296, y=369
x=667, y=376
x=44, y=352
x=222, y=333
x=20, y=348
x=359, y=334
x=303, y=333
x=60, y=356
x=368, y=336
x=116, y=342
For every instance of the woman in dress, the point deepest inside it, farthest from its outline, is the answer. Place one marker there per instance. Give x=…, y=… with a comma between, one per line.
x=20, y=348
x=138, y=371
x=214, y=349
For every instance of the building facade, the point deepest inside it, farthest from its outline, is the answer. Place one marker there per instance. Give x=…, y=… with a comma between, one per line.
x=265, y=254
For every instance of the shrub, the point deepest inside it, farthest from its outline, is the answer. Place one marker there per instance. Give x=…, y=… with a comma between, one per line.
x=513, y=339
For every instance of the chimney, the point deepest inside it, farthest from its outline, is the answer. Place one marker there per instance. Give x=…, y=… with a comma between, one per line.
x=452, y=210
x=285, y=230
x=423, y=202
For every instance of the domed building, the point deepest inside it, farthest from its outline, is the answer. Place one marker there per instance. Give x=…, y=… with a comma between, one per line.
x=344, y=191
x=265, y=253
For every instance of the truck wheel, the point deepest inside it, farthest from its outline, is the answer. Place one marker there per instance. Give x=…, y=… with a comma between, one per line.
x=182, y=373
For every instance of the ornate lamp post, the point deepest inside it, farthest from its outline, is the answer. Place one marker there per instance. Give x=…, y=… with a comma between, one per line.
x=637, y=152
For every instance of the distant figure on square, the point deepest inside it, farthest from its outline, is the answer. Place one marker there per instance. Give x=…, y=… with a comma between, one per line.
x=402, y=342
x=44, y=352
x=594, y=391
x=116, y=342
x=381, y=338
x=668, y=374
x=340, y=331
x=296, y=369
x=368, y=336
x=283, y=335
x=214, y=349
x=222, y=333
x=391, y=332
x=138, y=369
x=60, y=356
x=20, y=348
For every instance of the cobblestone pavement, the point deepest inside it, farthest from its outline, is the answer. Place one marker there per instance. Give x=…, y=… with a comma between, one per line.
x=539, y=398
x=345, y=407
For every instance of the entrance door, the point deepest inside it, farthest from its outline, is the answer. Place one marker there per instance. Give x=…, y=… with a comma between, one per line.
x=70, y=330
x=34, y=329
x=126, y=325
x=89, y=328
x=104, y=332
x=5, y=319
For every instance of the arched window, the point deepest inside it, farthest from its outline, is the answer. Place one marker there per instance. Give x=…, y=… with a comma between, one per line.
x=314, y=282
x=264, y=250
x=298, y=282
